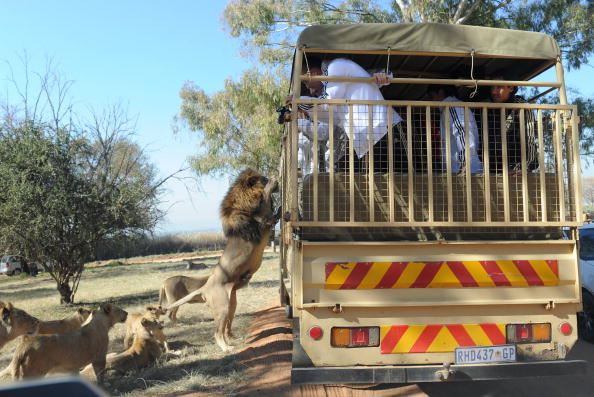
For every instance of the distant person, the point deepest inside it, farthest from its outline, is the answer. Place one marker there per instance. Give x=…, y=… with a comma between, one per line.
x=444, y=93
x=507, y=94
x=360, y=126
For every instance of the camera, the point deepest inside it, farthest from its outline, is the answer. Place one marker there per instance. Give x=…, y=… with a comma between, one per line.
x=284, y=113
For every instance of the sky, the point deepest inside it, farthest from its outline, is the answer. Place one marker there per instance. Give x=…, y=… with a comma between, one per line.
x=139, y=54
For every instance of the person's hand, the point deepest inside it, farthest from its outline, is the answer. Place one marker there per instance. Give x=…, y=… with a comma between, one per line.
x=288, y=99
x=382, y=79
x=515, y=172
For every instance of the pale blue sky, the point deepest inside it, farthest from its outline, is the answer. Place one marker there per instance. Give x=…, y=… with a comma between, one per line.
x=139, y=53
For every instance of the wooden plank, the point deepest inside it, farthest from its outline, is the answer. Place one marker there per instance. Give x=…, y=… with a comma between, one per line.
x=541, y=162
x=486, y=169
x=429, y=162
x=332, y=160
x=449, y=163
x=524, y=165
x=506, y=209
x=409, y=149
x=370, y=187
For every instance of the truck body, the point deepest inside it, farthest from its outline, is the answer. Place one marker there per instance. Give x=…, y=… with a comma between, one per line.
x=423, y=274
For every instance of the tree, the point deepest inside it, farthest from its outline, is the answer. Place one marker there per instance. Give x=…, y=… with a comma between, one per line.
x=67, y=187
x=268, y=31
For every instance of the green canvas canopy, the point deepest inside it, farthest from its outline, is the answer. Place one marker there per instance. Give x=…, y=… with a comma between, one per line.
x=432, y=50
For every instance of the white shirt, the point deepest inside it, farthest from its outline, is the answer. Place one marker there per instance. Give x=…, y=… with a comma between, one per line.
x=354, y=91
x=457, y=139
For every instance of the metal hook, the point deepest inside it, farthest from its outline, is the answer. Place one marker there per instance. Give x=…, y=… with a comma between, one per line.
x=472, y=94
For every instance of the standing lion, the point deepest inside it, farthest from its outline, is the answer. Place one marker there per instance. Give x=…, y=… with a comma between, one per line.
x=248, y=219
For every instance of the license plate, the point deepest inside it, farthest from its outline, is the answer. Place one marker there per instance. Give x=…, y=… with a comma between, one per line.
x=485, y=354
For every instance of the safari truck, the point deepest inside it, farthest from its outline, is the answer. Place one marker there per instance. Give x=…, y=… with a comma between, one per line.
x=420, y=274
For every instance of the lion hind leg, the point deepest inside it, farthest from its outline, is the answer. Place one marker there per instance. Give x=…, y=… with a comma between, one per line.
x=219, y=301
x=231, y=315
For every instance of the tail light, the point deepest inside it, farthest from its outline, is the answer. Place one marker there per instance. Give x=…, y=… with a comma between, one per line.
x=354, y=336
x=565, y=328
x=528, y=333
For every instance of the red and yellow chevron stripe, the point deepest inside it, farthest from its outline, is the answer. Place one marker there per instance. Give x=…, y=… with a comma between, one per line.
x=438, y=338
x=444, y=274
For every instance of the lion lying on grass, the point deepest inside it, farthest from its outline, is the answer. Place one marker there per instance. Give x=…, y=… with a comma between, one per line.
x=133, y=322
x=147, y=347
x=14, y=323
x=38, y=355
x=65, y=325
x=248, y=218
x=176, y=287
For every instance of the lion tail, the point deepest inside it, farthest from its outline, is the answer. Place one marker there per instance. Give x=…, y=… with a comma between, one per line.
x=185, y=299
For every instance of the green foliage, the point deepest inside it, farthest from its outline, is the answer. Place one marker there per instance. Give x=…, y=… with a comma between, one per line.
x=238, y=125
x=61, y=194
x=232, y=123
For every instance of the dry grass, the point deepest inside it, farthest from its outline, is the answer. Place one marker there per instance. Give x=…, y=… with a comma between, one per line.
x=201, y=365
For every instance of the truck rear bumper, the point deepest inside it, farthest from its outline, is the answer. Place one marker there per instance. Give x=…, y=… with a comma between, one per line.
x=435, y=373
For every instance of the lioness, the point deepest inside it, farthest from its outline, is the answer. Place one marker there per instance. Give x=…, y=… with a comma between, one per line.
x=152, y=313
x=176, y=287
x=65, y=325
x=14, y=323
x=248, y=217
x=147, y=347
x=38, y=355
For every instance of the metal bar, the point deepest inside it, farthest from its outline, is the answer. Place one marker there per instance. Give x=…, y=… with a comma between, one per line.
x=524, y=169
x=429, y=162
x=488, y=105
x=486, y=169
x=559, y=160
x=506, y=209
x=293, y=194
x=411, y=200
x=576, y=165
x=315, y=164
x=541, y=162
x=370, y=187
x=351, y=166
x=448, y=151
x=332, y=160
x=438, y=224
x=423, y=81
x=468, y=168
x=391, y=162
x=569, y=162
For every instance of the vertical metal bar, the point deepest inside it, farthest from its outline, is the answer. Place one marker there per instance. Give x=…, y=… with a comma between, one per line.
x=576, y=165
x=559, y=160
x=293, y=137
x=390, y=161
x=524, y=165
x=315, y=163
x=467, y=165
x=332, y=159
x=351, y=166
x=411, y=201
x=448, y=132
x=429, y=161
x=487, y=175
x=506, y=209
x=371, y=187
x=569, y=162
x=541, y=162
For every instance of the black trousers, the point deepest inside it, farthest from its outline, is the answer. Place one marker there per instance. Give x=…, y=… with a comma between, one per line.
x=380, y=156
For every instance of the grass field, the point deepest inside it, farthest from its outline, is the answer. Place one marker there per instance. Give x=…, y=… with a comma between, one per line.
x=200, y=367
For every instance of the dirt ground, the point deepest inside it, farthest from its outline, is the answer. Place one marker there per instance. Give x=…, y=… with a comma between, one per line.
x=268, y=358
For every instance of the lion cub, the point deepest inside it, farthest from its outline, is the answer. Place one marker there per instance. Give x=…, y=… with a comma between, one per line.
x=65, y=325
x=14, y=323
x=152, y=313
x=147, y=347
x=38, y=355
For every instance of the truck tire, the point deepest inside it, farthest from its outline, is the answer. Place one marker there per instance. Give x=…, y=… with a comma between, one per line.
x=16, y=272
